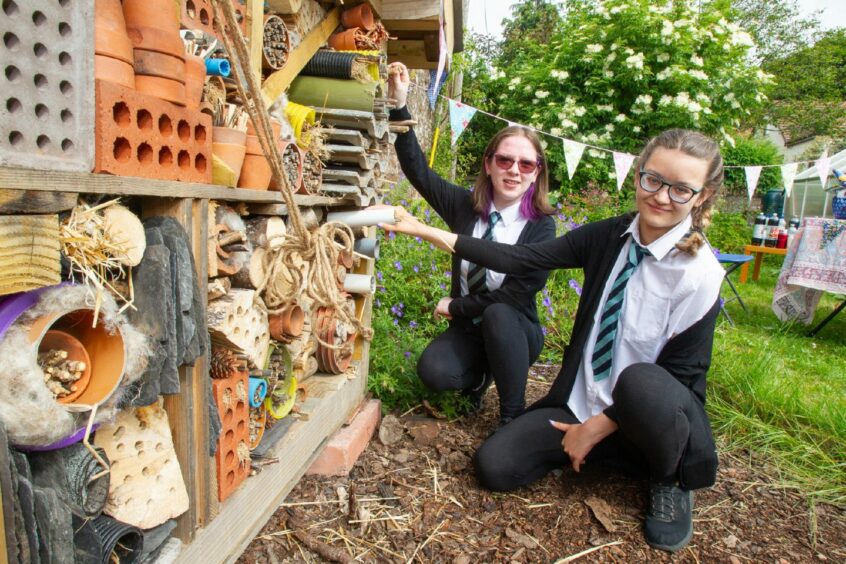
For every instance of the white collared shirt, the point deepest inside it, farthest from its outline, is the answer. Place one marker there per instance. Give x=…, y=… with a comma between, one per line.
x=507, y=230
x=668, y=292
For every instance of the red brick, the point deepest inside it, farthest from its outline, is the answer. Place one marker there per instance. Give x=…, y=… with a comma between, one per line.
x=203, y=15
x=235, y=417
x=141, y=135
x=346, y=445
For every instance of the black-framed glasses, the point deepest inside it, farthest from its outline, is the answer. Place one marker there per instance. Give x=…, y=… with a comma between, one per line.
x=523, y=165
x=679, y=193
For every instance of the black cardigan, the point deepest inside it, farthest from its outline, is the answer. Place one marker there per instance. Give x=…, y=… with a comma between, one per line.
x=455, y=206
x=594, y=248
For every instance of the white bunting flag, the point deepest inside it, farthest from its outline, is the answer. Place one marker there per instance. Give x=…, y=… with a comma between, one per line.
x=788, y=174
x=572, y=155
x=459, y=117
x=622, y=164
x=753, y=173
x=823, y=165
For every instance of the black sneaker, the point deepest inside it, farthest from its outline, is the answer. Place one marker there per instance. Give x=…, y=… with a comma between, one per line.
x=476, y=393
x=669, y=520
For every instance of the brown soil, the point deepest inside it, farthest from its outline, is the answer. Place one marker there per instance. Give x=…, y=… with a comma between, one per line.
x=417, y=500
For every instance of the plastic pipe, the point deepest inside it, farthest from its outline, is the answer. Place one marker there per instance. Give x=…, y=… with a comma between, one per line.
x=258, y=391
x=218, y=67
x=364, y=218
x=368, y=247
x=359, y=284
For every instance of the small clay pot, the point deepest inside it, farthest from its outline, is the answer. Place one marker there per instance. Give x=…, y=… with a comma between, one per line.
x=155, y=39
x=275, y=126
x=114, y=70
x=60, y=340
x=153, y=63
x=195, y=78
x=287, y=324
x=229, y=135
x=164, y=88
x=359, y=16
x=161, y=14
x=345, y=40
x=256, y=171
x=110, y=36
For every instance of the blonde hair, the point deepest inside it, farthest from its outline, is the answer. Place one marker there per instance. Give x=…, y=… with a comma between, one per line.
x=696, y=145
x=536, y=200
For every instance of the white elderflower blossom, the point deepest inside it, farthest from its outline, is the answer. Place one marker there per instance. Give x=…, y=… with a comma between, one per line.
x=742, y=39
x=694, y=107
x=605, y=108
x=620, y=118
x=702, y=97
x=595, y=153
x=629, y=51
x=665, y=100
x=635, y=61
x=697, y=61
x=644, y=99
x=594, y=48
x=541, y=94
x=514, y=81
x=663, y=57
x=579, y=111
x=496, y=74
x=560, y=75
x=664, y=74
x=608, y=74
x=636, y=129
x=610, y=58
x=698, y=74
x=609, y=93
x=616, y=9
x=568, y=124
x=556, y=131
x=609, y=127
x=667, y=28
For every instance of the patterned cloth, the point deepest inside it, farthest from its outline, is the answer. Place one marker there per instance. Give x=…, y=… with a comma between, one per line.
x=815, y=263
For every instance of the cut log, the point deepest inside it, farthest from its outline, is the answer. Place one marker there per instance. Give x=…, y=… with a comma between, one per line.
x=237, y=322
x=263, y=231
x=35, y=201
x=29, y=252
x=251, y=273
x=211, y=247
x=125, y=230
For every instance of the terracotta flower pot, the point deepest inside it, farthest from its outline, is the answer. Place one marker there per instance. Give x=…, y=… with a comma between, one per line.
x=114, y=70
x=359, y=16
x=154, y=25
x=106, y=352
x=153, y=63
x=229, y=135
x=287, y=324
x=59, y=340
x=195, y=78
x=110, y=37
x=256, y=171
x=344, y=40
x=275, y=126
x=164, y=88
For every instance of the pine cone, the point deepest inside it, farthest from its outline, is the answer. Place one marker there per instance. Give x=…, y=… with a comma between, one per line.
x=223, y=363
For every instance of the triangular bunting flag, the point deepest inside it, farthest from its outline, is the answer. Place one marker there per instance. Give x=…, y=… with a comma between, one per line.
x=572, y=155
x=622, y=164
x=459, y=117
x=432, y=92
x=823, y=165
x=753, y=173
x=788, y=173
x=513, y=124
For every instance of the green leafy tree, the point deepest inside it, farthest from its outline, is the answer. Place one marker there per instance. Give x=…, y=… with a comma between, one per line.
x=615, y=73
x=777, y=26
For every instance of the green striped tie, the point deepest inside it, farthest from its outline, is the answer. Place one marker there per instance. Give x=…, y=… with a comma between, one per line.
x=603, y=351
x=477, y=275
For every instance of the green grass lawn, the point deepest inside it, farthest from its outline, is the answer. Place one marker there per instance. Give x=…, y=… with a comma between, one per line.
x=781, y=394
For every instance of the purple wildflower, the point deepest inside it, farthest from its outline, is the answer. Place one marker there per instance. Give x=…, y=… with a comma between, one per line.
x=396, y=321
x=407, y=354
x=398, y=265
x=545, y=331
x=412, y=324
x=379, y=275
x=415, y=268
x=575, y=286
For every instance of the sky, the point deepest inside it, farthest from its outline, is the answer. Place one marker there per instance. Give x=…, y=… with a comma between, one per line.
x=485, y=16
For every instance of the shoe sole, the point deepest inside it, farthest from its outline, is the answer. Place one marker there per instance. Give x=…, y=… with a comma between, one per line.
x=682, y=543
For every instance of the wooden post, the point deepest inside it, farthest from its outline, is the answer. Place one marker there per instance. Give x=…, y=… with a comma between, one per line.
x=188, y=411
x=255, y=34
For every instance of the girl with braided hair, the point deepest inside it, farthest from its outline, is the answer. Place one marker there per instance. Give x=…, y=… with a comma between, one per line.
x=631, y=390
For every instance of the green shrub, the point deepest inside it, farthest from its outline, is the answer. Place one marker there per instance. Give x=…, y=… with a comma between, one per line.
x=729, y=232
x=752, y=152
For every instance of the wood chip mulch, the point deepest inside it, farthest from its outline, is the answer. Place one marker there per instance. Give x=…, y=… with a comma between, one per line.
x=416, y=499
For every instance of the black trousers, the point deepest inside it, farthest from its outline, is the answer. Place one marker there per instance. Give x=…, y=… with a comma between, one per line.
x=655, y=414
x=505, y=343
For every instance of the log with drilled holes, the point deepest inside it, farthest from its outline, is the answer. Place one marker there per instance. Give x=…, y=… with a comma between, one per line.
x=236, y=321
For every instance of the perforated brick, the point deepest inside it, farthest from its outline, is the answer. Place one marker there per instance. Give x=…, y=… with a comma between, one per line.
x=141, y=135
x=233, y=451
x=197, y=14
x=47, y=57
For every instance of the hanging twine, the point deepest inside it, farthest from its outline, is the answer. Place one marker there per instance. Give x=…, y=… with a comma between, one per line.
x=283, y=278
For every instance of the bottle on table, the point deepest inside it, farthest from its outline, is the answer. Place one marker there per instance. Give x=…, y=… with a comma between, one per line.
x=791, y=231
x=759, y=230
x=771, y=238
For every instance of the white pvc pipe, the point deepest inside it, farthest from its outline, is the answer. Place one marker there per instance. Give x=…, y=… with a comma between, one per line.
x=359, y=284
x=363, y=218
x=368, y=247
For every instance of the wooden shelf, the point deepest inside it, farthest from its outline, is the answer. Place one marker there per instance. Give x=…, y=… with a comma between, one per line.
x=88, y=183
